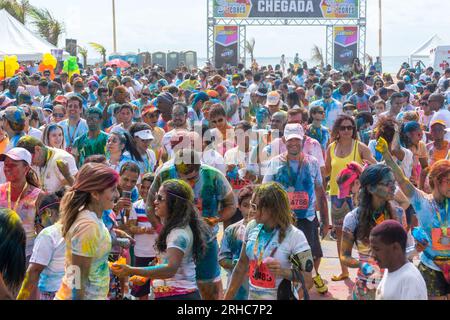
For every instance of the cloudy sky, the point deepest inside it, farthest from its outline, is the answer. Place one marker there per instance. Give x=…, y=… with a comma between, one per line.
x=152, y=25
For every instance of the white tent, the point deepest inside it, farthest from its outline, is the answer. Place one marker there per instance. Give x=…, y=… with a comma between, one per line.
x=424, y=51
x=18, y=40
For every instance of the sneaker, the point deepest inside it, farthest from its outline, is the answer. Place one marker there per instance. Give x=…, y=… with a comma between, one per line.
x=320, y=285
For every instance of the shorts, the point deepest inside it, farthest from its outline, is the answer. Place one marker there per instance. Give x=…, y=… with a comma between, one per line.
x=437, y=286
x=142, y=291
x=311, y=231
x=207, y=268
x=339, y=209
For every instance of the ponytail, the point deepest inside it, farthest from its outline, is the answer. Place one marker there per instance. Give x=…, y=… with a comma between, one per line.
x=71, y=204
x=32, y=179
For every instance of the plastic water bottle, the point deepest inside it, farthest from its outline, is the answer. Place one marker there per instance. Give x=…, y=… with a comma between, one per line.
x=367, y=269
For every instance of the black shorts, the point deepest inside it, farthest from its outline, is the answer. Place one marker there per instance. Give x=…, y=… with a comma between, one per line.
x=141, y=291
x=311, y=231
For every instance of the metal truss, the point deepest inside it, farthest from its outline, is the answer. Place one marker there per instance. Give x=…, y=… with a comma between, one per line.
x=242, y=43
x=329, y=54
x=284, y=22
x=361, y=22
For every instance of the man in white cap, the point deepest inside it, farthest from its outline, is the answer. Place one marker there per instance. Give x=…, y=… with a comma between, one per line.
x=300, y=176
x=274, y=102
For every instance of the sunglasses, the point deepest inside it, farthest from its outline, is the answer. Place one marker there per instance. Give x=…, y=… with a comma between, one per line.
x=388, y=184
x=146, y=94
x=319, y=112
x=346, y=128
x=58, y=115
x=425, y=104
x=160, y=198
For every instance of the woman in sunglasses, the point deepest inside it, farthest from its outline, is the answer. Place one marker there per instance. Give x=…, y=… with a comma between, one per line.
x=344, y=149
x=53, y=137
x=140, y=103
x=46, y=268
x=273, y=249
x=376, y=192
x=181, y=243
x=59, y=114
x=316, y=130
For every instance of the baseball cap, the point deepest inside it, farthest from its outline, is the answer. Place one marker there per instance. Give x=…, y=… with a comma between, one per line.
x=15, y=115
x=262, y=92
x=394, y=87
x=334, y=71
x=438, y=121
x=5, y=101
x=294, y=131
x=346, y=178
x=149, y=109
x=273, y=98
x=145, y=135
x=17, y=154
x=61, y=100
x=243, y=85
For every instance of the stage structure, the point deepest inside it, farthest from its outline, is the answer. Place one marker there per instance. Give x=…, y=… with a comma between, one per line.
x=344, y=20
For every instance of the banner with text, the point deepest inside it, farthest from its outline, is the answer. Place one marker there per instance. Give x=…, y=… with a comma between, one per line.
x=317, y=9
x=226, y=49
x=345, y=47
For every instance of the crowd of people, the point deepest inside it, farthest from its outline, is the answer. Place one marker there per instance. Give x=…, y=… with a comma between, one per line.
x=146, y=183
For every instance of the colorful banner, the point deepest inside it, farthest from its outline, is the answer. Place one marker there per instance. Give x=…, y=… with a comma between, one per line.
x=226, y=50
x=345, y=47
x=317, y=9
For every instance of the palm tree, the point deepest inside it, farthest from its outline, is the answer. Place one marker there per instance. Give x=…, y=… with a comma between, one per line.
x=317, y=56
x=250, y=47
x=18, y=9
x=84, y=53
x=100, y=49
x=47, y=26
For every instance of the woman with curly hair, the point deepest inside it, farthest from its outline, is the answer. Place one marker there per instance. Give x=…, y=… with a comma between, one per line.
x=180, y=244
x=274, y=250
x=377, y=190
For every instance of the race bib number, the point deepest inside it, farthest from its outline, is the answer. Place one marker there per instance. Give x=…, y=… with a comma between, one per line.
x=260, y=276
x=299, y=200
x=439, y=241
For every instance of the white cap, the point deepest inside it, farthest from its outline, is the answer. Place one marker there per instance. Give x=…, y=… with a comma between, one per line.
x=394, y=87
x=17, y=154
x=334, y=71
x=145, y=135
x=273, y=98
x=294, y=131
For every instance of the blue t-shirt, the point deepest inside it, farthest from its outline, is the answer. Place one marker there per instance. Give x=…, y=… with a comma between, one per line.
x=300, y=184
x=426, y=210
x=332, y=110
x=321, y=134
x=231, y=247
x=210, y=189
